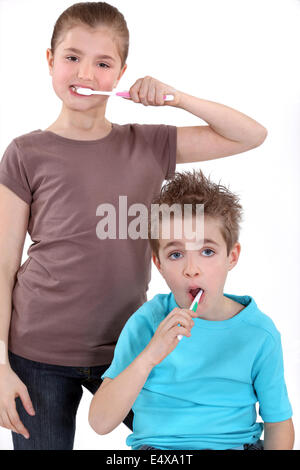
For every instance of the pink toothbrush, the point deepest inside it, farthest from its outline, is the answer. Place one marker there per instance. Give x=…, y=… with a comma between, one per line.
x=123, y=94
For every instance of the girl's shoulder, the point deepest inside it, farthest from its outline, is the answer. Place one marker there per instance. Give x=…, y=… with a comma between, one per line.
x=28, y=137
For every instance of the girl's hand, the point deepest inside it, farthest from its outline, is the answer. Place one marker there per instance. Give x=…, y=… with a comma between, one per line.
x=165, y=338
x=10, y=388
x=150, y=91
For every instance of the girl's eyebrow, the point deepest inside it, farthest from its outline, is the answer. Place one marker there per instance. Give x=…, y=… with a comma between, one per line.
x=77, y=51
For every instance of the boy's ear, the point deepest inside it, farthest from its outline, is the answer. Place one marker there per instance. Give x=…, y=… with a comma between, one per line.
x=156, y=261
x=234, y=255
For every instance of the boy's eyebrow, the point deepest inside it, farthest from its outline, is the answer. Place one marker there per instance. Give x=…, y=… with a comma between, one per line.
x=77, y=51
x=179, y=243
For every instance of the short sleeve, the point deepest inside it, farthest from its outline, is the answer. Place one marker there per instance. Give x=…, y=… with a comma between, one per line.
x=162, y=139
x=134, y=337
x=13, y=174
x=269, y=383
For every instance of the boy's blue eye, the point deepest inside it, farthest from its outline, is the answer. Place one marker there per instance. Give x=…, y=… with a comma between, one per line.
x=106, y=66
x=176, y=253
x=208, y=252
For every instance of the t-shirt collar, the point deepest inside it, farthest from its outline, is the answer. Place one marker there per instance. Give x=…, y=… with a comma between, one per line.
x=246, y=300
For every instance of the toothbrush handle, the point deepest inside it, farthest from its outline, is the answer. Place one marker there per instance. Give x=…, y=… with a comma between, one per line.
x=126, y=94
x=193, y=307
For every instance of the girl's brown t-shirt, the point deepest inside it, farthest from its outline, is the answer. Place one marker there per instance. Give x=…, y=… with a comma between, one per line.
x=76, y=291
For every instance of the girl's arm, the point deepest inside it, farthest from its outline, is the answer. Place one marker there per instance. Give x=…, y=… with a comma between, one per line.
x=279, y=436
x=228, y=132
x=14, y=213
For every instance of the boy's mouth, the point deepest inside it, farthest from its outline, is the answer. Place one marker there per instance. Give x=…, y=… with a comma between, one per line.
x=193, y=291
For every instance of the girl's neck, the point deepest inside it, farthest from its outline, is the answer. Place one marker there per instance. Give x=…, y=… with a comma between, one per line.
x=80, y=126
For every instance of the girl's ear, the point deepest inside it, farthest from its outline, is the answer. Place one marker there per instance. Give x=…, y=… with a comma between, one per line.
x=234, y=255
x=50, y=59
x=120, y=75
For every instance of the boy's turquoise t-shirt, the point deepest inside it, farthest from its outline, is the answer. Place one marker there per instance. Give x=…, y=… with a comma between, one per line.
x=203, y=394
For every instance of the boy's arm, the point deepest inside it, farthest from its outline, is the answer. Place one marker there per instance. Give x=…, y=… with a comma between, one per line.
x=279, y=436
x=114, y=399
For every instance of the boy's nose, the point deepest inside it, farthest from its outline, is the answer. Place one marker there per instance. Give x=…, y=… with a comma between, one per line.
x=191, y=269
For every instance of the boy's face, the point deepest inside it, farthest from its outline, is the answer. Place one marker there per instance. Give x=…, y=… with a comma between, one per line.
x=206, y=268
x=88, y=67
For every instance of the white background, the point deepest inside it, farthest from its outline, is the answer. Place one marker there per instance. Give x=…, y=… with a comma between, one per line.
x=242, y=53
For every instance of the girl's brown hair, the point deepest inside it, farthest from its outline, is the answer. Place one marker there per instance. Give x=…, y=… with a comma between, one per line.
x=93, y=14
x=194, y=188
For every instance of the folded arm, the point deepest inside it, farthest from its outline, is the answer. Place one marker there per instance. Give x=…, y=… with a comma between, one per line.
x=228, y=131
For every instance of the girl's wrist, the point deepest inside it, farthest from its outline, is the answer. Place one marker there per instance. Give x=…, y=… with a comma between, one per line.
x=5, y=368
x=178, y=99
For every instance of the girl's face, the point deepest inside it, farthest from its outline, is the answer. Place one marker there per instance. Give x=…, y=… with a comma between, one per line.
x=88, y=58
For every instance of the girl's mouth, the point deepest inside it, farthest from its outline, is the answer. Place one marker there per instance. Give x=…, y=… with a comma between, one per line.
x=73, y=91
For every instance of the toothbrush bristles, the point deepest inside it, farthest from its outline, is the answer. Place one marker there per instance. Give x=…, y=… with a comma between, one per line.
x=84, y=91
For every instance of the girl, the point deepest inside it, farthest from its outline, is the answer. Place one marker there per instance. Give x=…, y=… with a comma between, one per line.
x=63, y=309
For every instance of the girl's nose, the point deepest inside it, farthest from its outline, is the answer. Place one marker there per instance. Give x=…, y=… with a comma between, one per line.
x=85, y=72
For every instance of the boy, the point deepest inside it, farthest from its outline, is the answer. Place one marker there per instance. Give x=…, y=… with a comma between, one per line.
x=198, y=392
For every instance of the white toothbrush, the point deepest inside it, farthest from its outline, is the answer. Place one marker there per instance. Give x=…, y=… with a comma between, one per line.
x=193, y=306
x=123, y=94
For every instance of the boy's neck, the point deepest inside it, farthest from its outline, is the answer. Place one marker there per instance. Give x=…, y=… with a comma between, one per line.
x=226, y=309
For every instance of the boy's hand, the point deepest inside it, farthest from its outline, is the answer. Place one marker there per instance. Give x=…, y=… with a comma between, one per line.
x=165, y=338
x=150, y=91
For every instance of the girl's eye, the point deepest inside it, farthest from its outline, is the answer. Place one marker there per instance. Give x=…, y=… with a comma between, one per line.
x=208, y=252
x=70, y=58
x=176, y=253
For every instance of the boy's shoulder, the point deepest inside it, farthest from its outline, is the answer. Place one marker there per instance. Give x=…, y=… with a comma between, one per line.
x=255, y=318
x=157, y=308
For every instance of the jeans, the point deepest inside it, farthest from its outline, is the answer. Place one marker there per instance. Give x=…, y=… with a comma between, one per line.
x=55, y=392
x=258, y=445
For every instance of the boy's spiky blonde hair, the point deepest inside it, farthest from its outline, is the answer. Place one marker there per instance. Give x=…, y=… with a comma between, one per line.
x=195, y=188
